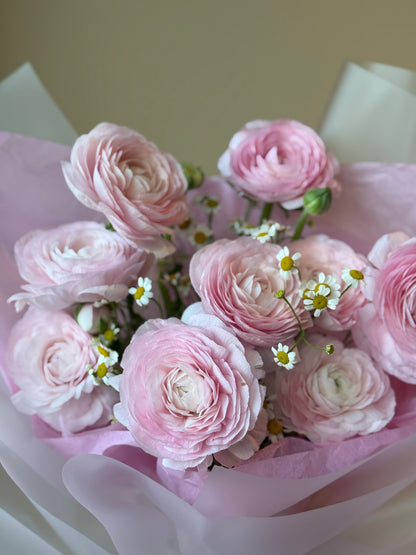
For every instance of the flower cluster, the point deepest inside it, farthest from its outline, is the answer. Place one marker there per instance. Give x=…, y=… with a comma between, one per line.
x=205, y=317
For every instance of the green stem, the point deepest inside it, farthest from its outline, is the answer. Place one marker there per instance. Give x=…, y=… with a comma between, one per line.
x=345, y=290
x=300, y=225
x=267, y=210
x=294, y=314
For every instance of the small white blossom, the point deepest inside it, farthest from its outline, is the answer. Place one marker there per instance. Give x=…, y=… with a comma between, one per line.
x=143, y=292
x=352, y=277
x=283, y=357
x=266, y=232
x=200, y=235
x=319, y=299
x=287, y=262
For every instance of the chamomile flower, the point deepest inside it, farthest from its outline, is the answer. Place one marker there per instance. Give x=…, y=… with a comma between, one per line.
x=184, y=286
x=172, y=278
x=110, y=334
x=200, y=235
x=143, y=292
x=283, y=357
x=287, y=262
x=352, y=277
x=210, y=203
x=274, y=428
x=242, y=228
x=266, y=232
x=319, y=299
x=329, y=282
x=107, y=359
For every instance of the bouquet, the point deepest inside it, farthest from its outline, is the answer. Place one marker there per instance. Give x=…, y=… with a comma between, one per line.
x=205, y=351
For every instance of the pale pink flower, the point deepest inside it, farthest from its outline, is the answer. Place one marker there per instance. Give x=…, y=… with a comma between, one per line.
x=237, y=281
x=48, y=357
x=188, y=389
x=140, y=189
x=387, y=326
x=277, y=161
x=321, y=254
x=77, y=262
x=333, y=397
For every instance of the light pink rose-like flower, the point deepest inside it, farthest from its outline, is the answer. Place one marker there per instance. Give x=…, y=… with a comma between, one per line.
x=140, y=189
x=320, y=253
x=189, y=389
x=387, y=326
x=333, y=397
x=277, y=161
x=237, y=281
x=47, y=358
x=77, y=262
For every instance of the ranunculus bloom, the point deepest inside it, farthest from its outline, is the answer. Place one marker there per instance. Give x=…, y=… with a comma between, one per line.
x=333, y=397
x=140, y=189
x=78, y=262
x=47, y=358
x=237, y=281
x=320, y=253
x=387, y=326
x=188, y=389
x=277, y=161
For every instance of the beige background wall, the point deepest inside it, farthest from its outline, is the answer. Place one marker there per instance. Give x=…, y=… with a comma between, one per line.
x=187, y=74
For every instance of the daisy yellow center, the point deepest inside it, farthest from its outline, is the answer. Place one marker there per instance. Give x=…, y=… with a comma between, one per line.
x=200, y=237
x=274, y=427
x=320, y=302
x=286, y=263
x=103, y=351
x=211, y=203
x=101, y=370
x=262, y=234
x=139, y=293
x=356, y=274
x=109, y=335
x=305, y=294
x=282, y=357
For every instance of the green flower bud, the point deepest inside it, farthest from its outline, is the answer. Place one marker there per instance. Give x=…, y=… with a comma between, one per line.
x=316, y=201
x=280, y=294
x=195, y=176
x=329, y=348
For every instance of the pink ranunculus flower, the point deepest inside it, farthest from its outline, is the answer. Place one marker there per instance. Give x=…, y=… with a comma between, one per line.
x=77, y=262
x=237, y=281
x=140, y=189
x=278, y=161
x=189, y=389
x=333, y=397
x=320, y=253
x=387, y=326
x=48, y=356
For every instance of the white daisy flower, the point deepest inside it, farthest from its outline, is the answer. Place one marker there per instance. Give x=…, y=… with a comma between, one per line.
x=210, y=203
x=266, y=232
x=242, y=228
x=200, y=235
x=143, y=292
x=319, y=299
x=110, y=334
x=327, y=281
x=283, y=357
x=286, y=261
x=352, y=277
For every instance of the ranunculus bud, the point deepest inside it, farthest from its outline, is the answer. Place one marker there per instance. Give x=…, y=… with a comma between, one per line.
x=194, y=176
x=316, y=201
